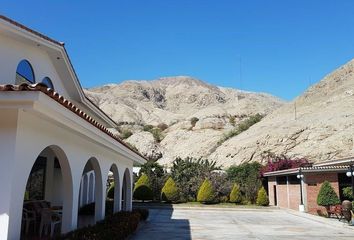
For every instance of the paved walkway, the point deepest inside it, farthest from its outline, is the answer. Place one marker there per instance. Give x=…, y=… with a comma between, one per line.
x=198, y=224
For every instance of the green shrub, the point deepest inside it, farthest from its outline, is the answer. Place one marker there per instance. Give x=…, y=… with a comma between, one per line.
x=156, y=175
x=117, y=226
x=189, y=173
x=235, y=195
x=243, y=126
x=170, y=192
x=327, y=196
x=232, y=120
x=347, y=193
x=223, y=199
x=246, y=175
x=157, y=134
x=194, y=120
x=110, y=192
x=142, y=189
x=109, y=207
x=144, y=213
x=126, y=133
x=26, y=197
x=89, y=209
x=156, y=131
x=148, y=127
x=206, y=192
x=262, y=198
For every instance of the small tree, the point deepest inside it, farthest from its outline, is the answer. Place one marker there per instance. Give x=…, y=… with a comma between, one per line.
x=206, y=192
x=170, y=192
x=110, y=192
x=148, y=128
x=347, y=193
x=327, y=196
x=246, y=176
x=262, y=198
x=142, y=189
x=235, y=195
x=126, y=133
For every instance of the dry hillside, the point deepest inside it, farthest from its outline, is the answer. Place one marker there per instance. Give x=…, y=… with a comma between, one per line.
x=174, y=102
x=323, y=128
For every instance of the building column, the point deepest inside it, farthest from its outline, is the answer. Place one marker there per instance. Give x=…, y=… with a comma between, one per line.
x=304, y=193
x=288, y=191
x=5, y=203
x=100, y=196
x=117, y=201
x=10, y=207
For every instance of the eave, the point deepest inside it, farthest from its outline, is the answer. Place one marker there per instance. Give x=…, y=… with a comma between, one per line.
x=64, y=103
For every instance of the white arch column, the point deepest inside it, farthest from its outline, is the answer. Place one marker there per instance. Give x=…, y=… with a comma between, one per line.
x=127, y=193
x=98, y=188
x=7, y=149
x=117, y=189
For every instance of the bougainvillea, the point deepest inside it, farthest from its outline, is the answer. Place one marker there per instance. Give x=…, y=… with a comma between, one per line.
x=282, y=162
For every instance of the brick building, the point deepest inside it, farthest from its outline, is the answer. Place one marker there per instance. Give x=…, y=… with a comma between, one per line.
x=287, y=187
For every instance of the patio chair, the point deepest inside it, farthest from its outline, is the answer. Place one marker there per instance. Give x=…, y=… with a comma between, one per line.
x=48, y=220
x=28, y=217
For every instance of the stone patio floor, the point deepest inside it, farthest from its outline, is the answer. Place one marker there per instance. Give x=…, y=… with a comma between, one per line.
x=220, y=223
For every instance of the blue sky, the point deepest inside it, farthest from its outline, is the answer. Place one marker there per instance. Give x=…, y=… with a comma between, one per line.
x=284, y=45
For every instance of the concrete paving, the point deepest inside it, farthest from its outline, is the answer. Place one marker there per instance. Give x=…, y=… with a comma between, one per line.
x=198, y=224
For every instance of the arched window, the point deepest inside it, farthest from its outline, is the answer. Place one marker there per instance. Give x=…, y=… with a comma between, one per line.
x=48, y=82
x=24, y=73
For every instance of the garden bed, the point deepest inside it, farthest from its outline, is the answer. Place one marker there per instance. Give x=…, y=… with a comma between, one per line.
x=114, y=227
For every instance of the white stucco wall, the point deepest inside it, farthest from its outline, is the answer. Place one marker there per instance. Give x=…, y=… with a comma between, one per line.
x=13, y=51
x=31, y=121
x=30, y=133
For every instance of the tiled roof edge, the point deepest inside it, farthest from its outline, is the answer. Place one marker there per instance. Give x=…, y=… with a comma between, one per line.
x=31, y=30
x=65, y=103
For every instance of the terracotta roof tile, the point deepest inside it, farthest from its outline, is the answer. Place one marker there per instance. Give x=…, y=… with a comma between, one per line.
x=67, y=104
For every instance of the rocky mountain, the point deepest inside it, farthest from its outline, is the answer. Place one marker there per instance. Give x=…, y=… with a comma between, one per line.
x=178, y=116
x=318, y=125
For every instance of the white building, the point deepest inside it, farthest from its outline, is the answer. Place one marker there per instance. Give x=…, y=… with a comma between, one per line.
x=58, y=136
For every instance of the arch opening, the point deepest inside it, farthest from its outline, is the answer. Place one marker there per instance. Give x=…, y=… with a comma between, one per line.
x=48, y=195
x=113, y=191
x=91, y=194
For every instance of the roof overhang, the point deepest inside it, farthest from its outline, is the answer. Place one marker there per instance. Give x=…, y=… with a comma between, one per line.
x=58, y=54
x=56, y=108
x=313, y=169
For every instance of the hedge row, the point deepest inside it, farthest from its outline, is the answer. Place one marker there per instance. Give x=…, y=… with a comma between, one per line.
x=117, y=226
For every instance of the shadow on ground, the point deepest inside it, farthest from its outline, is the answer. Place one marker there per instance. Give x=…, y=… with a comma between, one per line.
x=161, y=224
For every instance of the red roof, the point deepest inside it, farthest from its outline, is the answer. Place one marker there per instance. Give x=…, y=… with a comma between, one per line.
x=65, y=103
